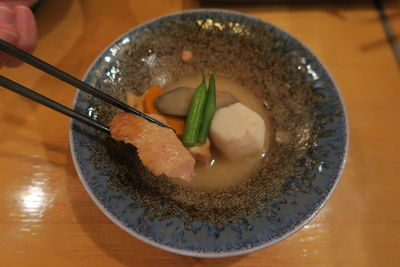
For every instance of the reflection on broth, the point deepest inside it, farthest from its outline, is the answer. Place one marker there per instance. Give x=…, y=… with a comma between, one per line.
x=223, y=172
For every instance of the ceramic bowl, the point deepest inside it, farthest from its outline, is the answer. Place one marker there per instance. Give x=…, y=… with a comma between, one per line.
x=306, y=155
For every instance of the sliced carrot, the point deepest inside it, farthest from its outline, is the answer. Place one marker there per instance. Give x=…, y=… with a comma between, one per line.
x=151, y=95
x=149, y=107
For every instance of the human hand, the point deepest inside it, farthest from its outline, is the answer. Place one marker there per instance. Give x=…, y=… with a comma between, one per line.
x=18, y=27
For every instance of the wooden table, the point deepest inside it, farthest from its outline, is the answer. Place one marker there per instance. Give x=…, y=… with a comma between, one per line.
x=47, y=218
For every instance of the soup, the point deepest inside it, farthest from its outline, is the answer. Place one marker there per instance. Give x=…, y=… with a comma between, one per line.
x=222, y=172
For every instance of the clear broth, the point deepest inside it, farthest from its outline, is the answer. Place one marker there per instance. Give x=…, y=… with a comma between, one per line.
x=222, y=172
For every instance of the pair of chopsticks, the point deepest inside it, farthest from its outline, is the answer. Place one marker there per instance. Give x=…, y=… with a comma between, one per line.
x=45, y=67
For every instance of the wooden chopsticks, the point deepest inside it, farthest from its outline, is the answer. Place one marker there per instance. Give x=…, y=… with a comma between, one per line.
x=45, y=67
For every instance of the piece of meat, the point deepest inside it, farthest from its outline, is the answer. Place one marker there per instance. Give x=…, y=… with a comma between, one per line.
x=201, y=153
x=158, y=148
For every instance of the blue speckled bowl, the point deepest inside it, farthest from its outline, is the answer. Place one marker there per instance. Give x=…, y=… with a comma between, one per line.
x=310, y=130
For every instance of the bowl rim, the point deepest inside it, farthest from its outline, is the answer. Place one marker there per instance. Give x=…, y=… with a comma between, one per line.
x=213, y=254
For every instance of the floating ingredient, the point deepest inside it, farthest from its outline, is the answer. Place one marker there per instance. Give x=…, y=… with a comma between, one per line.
x=177, y=101
x=209, y=111
x=237, y=131
x=158, y=148
x=195, y=115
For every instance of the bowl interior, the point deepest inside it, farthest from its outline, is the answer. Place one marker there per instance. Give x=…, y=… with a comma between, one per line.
x=306, y=153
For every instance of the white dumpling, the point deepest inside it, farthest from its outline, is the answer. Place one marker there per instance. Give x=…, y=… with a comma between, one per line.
x=237, y=131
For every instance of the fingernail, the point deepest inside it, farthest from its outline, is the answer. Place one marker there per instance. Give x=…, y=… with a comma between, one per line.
x=6, y=13
x=8, y=36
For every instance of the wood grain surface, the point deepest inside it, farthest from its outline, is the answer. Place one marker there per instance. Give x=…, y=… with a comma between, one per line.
x=47, y=218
